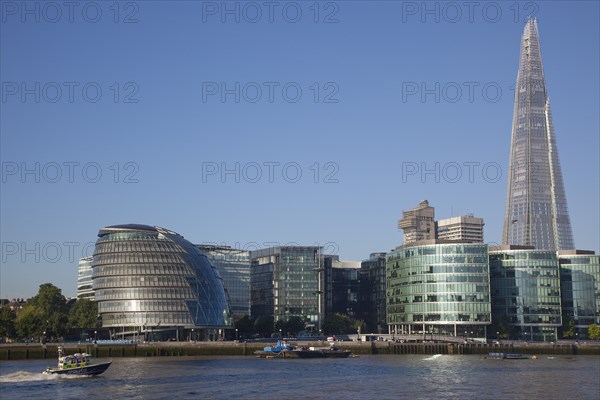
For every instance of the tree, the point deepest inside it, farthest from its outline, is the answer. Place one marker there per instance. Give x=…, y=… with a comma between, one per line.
x=336, y=324
x=30, y=322
x=45, y=312
x=245, y=326
x=501, y=328
x=84, y=314
x=594, y=332
x=294, y=325
x=7, y=322
x=569, y=329
x=264, y=325
x=359, y=325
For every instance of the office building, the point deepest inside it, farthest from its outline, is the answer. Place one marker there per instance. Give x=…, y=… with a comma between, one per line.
x=286, y=281
x=467, y=228
x=373, y=291
x=580, y=289
x=234, y=268
x=84, y=279
x=536, y=211
x=341, y=287
x=438, y=287
x=418, y=223
x=525, y=285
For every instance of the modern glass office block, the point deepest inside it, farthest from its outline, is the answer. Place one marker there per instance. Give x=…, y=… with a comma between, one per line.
x=438, y=288
x=285, y=282
x=84, y=279
x=580, y=289
x=525, y=293
x=234, y=267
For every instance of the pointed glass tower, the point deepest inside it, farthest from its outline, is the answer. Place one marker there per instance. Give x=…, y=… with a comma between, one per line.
x=536, y=206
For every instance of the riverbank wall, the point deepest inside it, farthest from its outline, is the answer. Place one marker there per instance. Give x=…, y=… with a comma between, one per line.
x=182, y=349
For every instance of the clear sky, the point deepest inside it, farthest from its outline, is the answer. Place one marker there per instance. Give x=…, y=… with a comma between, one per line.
x=201, y=119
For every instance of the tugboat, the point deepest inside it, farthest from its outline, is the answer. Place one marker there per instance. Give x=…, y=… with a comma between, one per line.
x=76, y=364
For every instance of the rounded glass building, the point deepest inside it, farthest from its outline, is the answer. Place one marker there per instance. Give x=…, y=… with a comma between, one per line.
x=438, y=287
x=151, y=283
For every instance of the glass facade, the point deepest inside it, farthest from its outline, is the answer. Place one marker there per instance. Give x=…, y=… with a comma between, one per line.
x=373, y=291
x=152, y=279
x=580, y=289
x=341, y=287
x=536, y=206
x=285, y=282
x=234, y=267
x=525, y=293
x=84, y=279
x=440, y=288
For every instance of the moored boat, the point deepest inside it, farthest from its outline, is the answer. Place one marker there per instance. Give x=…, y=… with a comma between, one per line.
x=332, y=351
x=507, y=356
x=278, y=351
x=284, y=350
x=77, y=364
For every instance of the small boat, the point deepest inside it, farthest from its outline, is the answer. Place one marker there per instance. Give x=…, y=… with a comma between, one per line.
x=507, y=356
x=77, y=364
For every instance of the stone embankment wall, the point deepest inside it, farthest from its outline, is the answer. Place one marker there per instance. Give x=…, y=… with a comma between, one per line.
x=175, y=349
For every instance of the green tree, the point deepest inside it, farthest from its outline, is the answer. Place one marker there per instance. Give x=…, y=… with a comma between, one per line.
x=290, y=327
x=30, y=323
x=45, y=312
x=359, y=324
x=264, y=325
x=594, y=332
x=569, y=329
x=83, y=314
x=245, y=326
x=501, y=328
x=294, y=325
x=336, y=324
x=7, y=323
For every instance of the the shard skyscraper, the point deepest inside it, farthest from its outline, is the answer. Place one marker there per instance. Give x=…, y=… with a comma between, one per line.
x=536, y=206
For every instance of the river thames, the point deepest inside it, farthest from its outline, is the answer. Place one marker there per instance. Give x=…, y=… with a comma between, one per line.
x=364, y=377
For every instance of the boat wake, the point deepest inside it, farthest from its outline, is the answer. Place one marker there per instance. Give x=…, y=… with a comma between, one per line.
x=433, y=357
x=22, y=376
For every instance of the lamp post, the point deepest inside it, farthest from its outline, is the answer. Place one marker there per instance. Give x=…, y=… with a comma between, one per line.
x=193, y=335
x=95, y=336
x=236, y=334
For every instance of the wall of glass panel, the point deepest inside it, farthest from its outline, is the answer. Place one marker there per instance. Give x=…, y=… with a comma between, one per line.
x=526, y=292
x=234, y=267
x=293, y=286
x=438, y=284
x=84, y=279
x=151, y=277
x=580, y=288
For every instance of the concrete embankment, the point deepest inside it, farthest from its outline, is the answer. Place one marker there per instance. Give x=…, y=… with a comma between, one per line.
x=49, y=351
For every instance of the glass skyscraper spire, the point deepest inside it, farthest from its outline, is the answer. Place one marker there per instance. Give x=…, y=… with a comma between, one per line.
x=536, y=206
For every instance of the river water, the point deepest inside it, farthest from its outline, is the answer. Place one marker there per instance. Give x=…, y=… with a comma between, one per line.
x=365, y=377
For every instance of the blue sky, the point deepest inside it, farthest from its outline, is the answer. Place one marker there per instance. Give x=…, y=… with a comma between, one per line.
x=136, y=121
